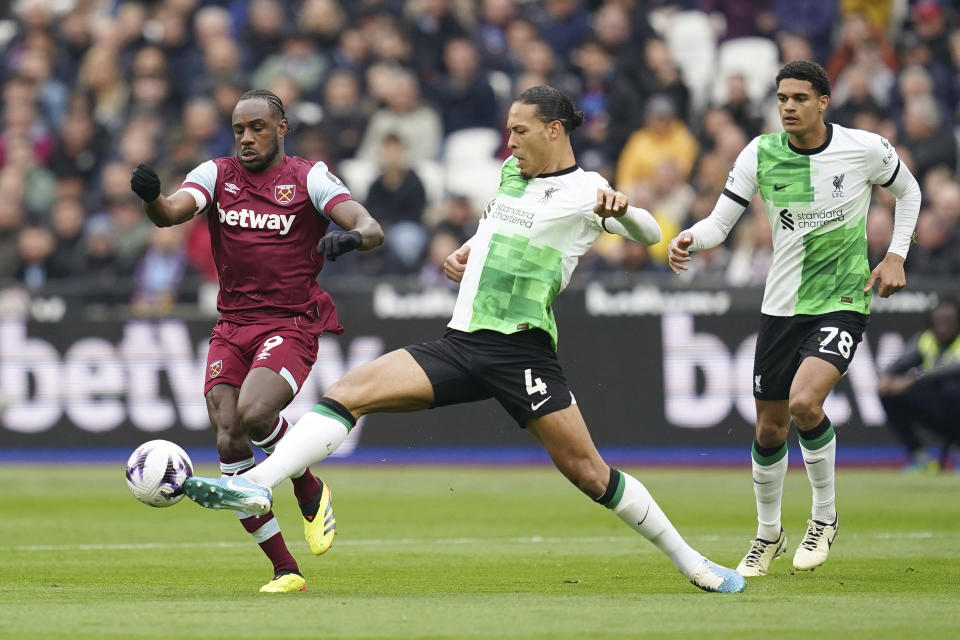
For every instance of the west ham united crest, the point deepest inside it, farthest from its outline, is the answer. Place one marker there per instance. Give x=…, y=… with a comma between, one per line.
x=283, y=193
x=216, y=368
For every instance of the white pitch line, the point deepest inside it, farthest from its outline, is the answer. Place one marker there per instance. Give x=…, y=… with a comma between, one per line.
x=387, y=542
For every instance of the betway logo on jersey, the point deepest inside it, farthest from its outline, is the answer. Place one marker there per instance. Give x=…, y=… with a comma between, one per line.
x=249, y=219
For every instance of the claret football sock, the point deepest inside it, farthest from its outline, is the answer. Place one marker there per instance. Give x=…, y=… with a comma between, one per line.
x=264, y=529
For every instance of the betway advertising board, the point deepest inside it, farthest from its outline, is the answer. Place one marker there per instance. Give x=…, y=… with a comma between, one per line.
x=648, y=368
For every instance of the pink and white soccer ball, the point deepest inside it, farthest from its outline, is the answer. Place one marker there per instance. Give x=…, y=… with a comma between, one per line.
x=156, y=472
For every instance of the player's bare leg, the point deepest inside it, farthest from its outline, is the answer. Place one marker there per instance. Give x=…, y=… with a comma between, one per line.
x=263, y=394
x=769, y=466
x=811, y=384
x=393, y=382
x=236, y=456
x=565, y=437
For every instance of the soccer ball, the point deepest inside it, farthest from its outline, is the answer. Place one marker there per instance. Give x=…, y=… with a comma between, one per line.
x=156, y=472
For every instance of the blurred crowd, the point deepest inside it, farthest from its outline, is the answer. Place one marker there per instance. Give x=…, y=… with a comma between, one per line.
x=406, y=101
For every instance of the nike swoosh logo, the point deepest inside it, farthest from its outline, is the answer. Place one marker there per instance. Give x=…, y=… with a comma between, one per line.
x=232, y=486
x=536, y=405
x=781, y=187
x=767, y=482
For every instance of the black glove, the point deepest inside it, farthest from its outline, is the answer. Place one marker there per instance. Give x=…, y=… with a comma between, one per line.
x=145, y=183
x=337, y=243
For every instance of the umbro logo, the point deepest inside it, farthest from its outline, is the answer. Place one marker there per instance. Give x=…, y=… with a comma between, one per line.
x=231, y=188
x=786, y=220
x=781, y=187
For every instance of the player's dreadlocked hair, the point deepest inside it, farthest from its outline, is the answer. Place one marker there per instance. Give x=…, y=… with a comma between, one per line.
x=276, y=104
x=809, y=71
x=552, y=104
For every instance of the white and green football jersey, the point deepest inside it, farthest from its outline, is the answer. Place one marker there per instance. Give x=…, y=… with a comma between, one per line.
x=817, y=201
x=526, y=247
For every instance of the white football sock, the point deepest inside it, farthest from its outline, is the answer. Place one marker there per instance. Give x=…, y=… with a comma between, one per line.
x=642, y=513
x=314, y=437
x=821, y=470
x=768, y=489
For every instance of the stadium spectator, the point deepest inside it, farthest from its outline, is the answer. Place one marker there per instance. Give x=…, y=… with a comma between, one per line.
x=739, y=18
x=609, y=105
x=344, y=114
x=67, y=219
x=490, y=33
x=158, y=274
x=404, y=115
x=298, y=59
x=322, y=21
x=463, y=95
x=564, y=25
x=470, y=363
x=663, y=136
x=272, y=311
x=263, y=30
x=813, y=19
x=931, y=143
x=921, y=388
x=36, y=247
x=432, y=25
x=398, y=197
x=11, y=221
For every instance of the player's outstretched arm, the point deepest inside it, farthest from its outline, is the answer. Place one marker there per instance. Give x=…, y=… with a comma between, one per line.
x=360, y=231
x=162, y=211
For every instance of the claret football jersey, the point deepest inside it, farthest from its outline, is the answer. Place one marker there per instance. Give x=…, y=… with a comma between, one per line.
x=527, y=245
x=816, y=201
x=264, y=230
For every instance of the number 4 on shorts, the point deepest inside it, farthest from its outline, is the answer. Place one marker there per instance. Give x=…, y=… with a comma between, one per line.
x=534, y=385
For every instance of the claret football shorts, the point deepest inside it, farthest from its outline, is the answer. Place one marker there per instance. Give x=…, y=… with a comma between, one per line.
x=236, y=349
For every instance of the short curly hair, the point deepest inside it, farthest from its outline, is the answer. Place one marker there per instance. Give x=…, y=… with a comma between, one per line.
x=809, y=71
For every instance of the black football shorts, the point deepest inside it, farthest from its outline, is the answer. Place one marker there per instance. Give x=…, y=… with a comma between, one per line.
x=784, y=341
x=520, y=370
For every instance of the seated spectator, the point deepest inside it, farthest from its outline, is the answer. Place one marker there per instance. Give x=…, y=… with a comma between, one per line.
x=397, y=194
x=67, y=218
x=11, y=219
x=405, y=116
x=442, y=244
x=344, y=114
x=297, y=58
x=36, y=247
x=160, y=271
x=663, y=136
x=463, y=95
x=922, y=387
x=930, y=142
x=934, y=252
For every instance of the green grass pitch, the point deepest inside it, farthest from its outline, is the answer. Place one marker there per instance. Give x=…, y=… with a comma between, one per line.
x=428, y=552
